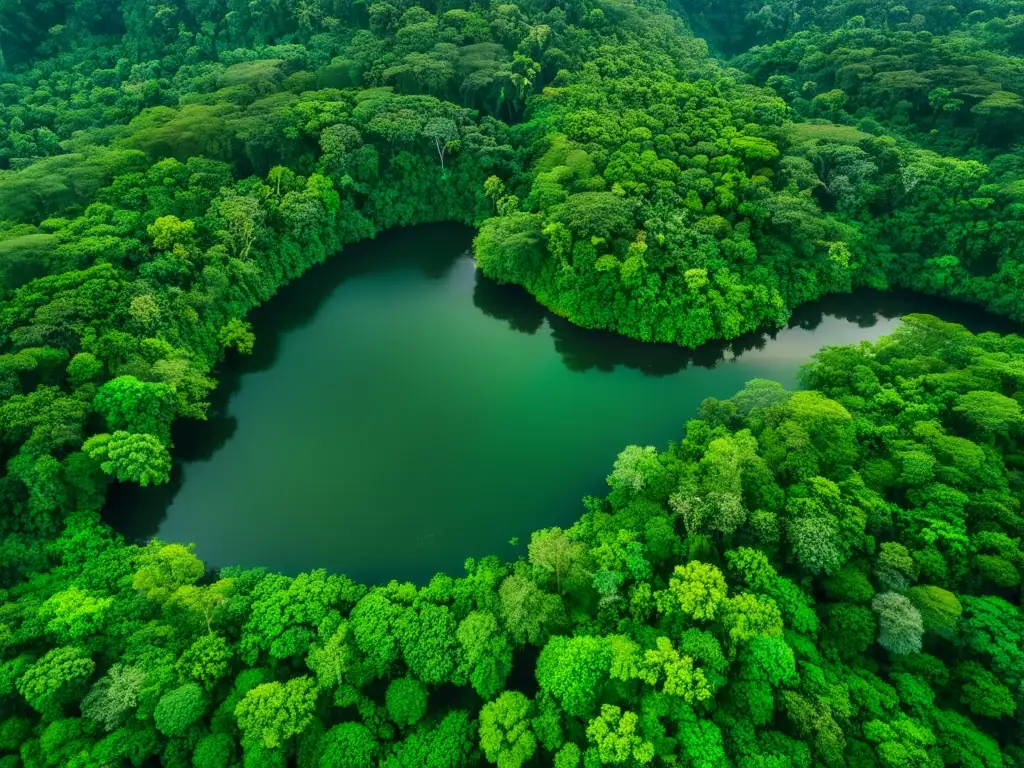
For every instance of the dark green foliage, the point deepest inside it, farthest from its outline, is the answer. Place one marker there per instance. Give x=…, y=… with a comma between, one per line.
x=406, y=700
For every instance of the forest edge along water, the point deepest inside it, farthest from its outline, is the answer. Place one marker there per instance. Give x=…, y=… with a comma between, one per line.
x=402, y=412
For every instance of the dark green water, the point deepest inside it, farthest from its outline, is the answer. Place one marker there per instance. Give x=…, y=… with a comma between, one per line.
x=402, y=413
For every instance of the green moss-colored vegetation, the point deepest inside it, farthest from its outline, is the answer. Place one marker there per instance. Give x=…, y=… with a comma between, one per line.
x=825, y=577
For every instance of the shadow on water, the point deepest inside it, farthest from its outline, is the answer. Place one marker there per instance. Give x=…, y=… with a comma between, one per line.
x=432, y=251
x=583, y=349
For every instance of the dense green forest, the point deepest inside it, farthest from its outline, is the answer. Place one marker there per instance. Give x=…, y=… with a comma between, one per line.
x=825, y=577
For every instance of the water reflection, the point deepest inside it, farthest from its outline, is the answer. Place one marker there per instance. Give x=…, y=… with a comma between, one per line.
x=540, y=402
x=585, y=349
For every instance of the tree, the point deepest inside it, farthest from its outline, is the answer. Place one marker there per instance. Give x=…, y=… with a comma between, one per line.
x=528, y=611
x=83, y=368
x=746, y=616
x=131, y=405
x=214, y=751
x=940, y=610
x=488, y=654
x=349, y=745
x=406, y=700
x=697, y=589
x=635, y=468
x=990, y=412
x=271, y=713
x=428, y=642
x=55, y=677
x=753, y=567
x=984, y=694
x=852, y=628
x=179, y=709
x=505, y=734
x=243, y=218
x=373, y=623
x=677, y=672
x=139, y=458
x=615, y=738
x=73, y=614
x=443, y=132
x=164, y=568
x=574, y=670
x=553, y=551
x=207, y=660
x=113, y=699
x=331, y=659
x=510, y=248
x=568, y=756
x=899, y=623
x=452, y=743
x=816, y=543
x=238, y=334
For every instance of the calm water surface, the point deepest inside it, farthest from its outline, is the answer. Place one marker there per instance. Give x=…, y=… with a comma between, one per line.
x=402, y=413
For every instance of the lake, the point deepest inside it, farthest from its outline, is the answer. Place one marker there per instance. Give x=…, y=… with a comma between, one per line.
x=402, y=412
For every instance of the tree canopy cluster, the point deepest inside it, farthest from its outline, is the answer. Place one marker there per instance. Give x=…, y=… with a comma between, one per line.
x=814, y=578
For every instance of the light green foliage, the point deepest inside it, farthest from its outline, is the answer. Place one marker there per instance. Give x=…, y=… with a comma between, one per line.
x=287, y=609
x=568, y=756
x=207, y=660
x=527, y=610
x=614, y=736
x=164, y=568
x=428, y=642
x=899, y=623
x=753, y=568
x=330, y=659
x=505, y=734
x=697, y=589
x=271, y=713
x=635, y=468
x=677, y=672
x=115, y=696
x=131, y=405
x=130, y=457
x=902, y=742
x=487, y=651
x=939, y=608
x=990, y=412
x=54, y=676
x=373, y=624
x=768, y=659
x=573, y=670
x=554, y=552
x=746, y=616
x=74, y=614
x=238, y=335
